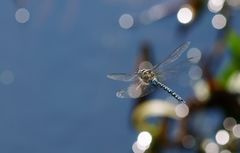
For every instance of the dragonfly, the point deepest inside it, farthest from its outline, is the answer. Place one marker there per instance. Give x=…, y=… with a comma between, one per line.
x=149, y=78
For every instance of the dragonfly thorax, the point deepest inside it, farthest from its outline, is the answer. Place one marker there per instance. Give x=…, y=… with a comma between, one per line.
x=146, y=75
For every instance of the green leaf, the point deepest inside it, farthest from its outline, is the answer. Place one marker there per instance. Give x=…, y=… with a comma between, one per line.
x=234, y=45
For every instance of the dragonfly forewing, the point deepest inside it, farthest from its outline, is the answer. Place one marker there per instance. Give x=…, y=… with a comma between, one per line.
x=174, y=55
x=122, y=76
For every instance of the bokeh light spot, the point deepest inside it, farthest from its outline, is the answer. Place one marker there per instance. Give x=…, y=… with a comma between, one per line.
x=136, y=149
x=212, y=148
x=201, y=90
x=157, y=12
x=195, y=72
x=7, y=77
x=233, y=3
x=234, y=83
x=22, y=15
x=229, y=123
x=219, y=21
x=182, y=110
x=225, y=151
x=194, y=54
x=126, y=21
x=215, y=5
x=222, y=137
x=236, y=131
x=144, y=140
x=185, y=15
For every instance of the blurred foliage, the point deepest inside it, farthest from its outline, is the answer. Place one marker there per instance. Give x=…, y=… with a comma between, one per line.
x=233, y=41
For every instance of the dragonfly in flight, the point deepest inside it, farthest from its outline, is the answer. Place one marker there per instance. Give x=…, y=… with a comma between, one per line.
x=149, y=78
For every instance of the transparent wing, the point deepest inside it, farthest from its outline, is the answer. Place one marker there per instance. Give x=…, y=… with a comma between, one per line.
x=171, y=71
x=174, y=55
x=122, y=76
x=136, y=90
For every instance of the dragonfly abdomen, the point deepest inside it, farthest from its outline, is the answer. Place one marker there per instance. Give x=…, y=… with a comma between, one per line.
x=169, y=90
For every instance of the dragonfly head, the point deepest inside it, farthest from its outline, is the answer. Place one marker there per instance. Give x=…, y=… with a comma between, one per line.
x=146, y=75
